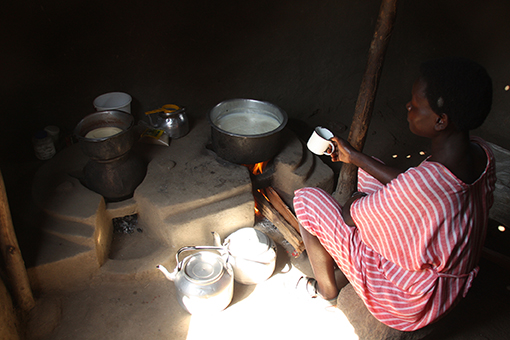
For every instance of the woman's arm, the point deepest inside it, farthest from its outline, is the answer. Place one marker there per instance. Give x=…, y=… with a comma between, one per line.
x=345, y=153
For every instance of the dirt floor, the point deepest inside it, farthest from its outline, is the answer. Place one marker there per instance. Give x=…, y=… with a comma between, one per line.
x=307, y=57
x=148, y=309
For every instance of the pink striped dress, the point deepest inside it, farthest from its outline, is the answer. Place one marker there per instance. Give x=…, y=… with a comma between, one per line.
x=414, y=251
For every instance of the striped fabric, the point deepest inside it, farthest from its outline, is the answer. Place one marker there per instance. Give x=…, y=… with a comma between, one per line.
x=417, y=241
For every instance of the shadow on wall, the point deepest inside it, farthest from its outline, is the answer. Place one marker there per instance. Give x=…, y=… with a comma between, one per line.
x=305, y=57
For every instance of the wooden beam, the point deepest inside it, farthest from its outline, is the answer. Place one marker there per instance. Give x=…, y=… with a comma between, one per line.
x=347, y=180
x=14, y=264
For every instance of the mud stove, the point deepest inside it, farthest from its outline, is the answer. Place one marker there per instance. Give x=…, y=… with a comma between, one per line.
x=187, y=193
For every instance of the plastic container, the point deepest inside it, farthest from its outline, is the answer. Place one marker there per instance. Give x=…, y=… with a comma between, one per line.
x=43, y=145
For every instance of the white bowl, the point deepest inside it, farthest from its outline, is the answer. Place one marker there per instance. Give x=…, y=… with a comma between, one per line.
x=113, y=101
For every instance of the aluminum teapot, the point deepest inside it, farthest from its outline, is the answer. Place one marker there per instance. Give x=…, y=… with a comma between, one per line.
x=204, y=280
x=170, y=118
x=252, y=255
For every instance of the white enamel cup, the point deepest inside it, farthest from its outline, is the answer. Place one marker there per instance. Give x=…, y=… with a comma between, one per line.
x=319, y=141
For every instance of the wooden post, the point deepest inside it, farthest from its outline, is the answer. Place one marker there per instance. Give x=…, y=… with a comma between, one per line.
x=14, y=264
x=347, y=180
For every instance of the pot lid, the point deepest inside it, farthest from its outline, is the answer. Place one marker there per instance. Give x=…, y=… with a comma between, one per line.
x=204, y=267
x=248, y=243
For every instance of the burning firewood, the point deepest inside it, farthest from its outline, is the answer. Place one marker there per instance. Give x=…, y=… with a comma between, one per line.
x=271, y=213
x=277, y=202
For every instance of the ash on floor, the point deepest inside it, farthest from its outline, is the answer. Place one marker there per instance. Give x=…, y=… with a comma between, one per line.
x=126, y=225
x=301, y=261
x=130, y=241
x=264, y=225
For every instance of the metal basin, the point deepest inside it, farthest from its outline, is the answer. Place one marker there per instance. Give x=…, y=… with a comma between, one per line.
x=246, y=131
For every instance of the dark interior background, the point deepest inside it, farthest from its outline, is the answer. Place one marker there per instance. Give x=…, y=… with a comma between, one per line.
x=305, y=56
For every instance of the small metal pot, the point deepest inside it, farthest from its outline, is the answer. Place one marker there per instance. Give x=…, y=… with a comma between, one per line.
x=171, y=118
x=204, y=280
x=112, y=170
x=107, y=147
x=246, y=131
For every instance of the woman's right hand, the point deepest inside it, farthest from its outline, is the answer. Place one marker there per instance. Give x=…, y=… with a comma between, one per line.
x=343, y=150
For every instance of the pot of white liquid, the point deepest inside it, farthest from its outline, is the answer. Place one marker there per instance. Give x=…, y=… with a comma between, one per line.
x=246, y=131
x=105, y=135
x=113, y=171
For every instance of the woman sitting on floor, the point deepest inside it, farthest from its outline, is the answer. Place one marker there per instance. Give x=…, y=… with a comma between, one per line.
x=409, y=242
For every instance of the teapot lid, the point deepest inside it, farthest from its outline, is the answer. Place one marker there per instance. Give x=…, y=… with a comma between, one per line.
x=204, y=267
x=248, y=243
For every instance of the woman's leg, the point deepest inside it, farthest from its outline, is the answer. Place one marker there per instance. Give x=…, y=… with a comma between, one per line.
x=328, y=240
x=323, y=265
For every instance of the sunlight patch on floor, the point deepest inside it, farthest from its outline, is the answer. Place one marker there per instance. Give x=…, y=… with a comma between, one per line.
x=273, y=310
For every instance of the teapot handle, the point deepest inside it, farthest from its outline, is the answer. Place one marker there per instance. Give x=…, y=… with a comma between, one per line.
x=168, y=108
x=189, y=248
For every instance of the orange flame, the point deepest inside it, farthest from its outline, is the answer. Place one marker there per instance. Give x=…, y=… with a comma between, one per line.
x=264, y=194
x=257, y=208
x=257, y=168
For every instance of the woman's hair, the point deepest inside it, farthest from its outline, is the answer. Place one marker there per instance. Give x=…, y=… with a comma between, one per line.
x=459, y=87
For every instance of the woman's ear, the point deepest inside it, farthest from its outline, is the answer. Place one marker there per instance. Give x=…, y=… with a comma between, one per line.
x=442, y=122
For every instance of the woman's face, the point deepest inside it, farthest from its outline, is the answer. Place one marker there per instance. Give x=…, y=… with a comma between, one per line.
x=421, y=118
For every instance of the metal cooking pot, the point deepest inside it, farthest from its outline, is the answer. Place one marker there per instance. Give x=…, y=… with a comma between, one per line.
x=204, y=280
x=246, y=131
x=109, y=147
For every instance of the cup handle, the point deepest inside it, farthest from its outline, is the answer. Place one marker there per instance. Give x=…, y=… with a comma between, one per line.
x=332, y=149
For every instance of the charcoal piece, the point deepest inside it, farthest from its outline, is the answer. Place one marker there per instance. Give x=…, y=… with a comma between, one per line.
x=126, y=224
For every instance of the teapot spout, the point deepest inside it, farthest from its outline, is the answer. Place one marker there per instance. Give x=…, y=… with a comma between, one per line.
x=217, y=239
x=217, y=243
x=168, y=275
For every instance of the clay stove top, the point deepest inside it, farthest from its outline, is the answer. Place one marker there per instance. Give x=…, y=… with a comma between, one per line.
x=188, y=192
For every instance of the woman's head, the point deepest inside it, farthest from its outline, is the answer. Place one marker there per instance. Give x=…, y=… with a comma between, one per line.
x=460, y=88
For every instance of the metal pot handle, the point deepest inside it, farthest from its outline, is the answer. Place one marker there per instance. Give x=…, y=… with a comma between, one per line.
x=221, y=250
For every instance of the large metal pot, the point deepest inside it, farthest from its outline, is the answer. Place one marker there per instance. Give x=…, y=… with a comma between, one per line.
x=246, y=131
